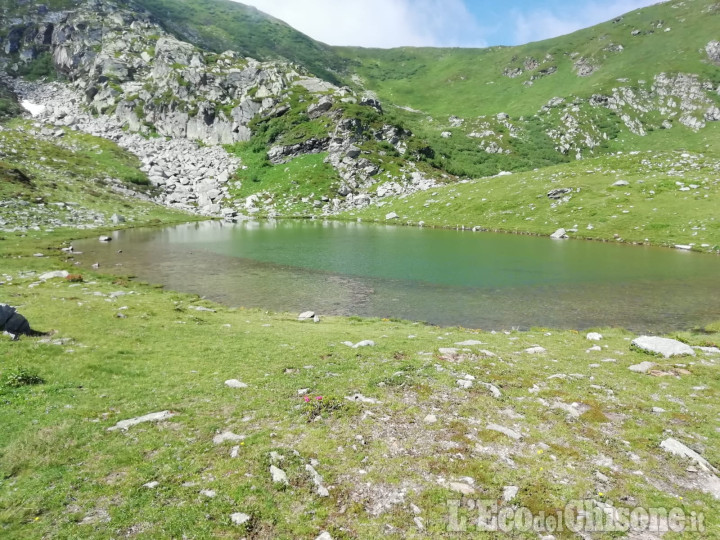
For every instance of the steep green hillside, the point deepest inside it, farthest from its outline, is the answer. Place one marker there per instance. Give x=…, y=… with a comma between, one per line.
x=221, y=25
x=669, y=37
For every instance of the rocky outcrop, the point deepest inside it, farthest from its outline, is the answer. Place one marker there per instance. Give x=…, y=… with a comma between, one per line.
x=713, y=52
x=129, y=67
x=189, y=176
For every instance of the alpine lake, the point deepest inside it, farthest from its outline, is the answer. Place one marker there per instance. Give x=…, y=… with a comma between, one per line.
x=478, y=280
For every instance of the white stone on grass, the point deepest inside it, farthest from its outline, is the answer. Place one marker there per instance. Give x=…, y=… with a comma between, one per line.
x=505, y=431
x=675, y=447
x=366, y=343
x=642, y=367
x=58, y=274
x=227, y=436
x=594, y=336
x=124, y=425
x=461, y=488
x=234, y=383
x=535, y=350
x=509, y=493
x=278, y=476
x=240, y=518
x=663, y=346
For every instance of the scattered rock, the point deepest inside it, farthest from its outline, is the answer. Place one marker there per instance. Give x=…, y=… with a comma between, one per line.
x=209, y=493
x=151, y=485
x=227, y=436
x=234, y=383
x=124, y=425
x=322, y=491
x=560, y=234
x=306, y=316
x=366, y=343
x=594, y=336
x=239, y=518
x=663, y=346
x=324, y=536
x=469, y=343
x=461, y=488
x=362, y=399
x=58, y=274
x=494, y=390
x=430, y=419
x=278, y=476
x=675, y=447
x=391, y=215
x=505, y=431
x=535, y=350
x=510, y=492
x=642, y=367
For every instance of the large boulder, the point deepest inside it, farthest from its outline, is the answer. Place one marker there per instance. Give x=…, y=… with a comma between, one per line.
x=663, y=346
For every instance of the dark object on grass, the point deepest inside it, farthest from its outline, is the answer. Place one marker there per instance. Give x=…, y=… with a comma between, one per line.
x=15, y=324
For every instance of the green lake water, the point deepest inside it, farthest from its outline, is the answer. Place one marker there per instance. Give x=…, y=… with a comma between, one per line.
x=476, y=280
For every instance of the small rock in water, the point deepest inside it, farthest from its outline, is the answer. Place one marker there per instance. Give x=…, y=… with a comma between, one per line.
x=663, y=346
x=234, y=383
x=105, y=239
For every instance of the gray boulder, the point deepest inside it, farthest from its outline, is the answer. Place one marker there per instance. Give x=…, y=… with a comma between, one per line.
x=663, y=346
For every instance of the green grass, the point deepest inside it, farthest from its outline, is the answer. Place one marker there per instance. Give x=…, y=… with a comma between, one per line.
x=470, y=82
x=306, y=176
x=63, y=475
x=652, y=209
x=222, y=25
x=70, y=180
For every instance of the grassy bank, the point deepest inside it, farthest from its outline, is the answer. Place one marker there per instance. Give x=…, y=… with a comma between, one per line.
x=644, y=197
x=124, y=349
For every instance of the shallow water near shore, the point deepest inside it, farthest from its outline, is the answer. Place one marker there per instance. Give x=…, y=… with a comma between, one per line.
x=476, y=280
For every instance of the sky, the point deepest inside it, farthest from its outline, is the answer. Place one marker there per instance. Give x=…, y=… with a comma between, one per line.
x=441, y=23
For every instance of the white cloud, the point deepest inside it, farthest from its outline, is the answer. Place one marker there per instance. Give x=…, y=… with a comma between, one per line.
x=379, y=23
x=543, y=24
